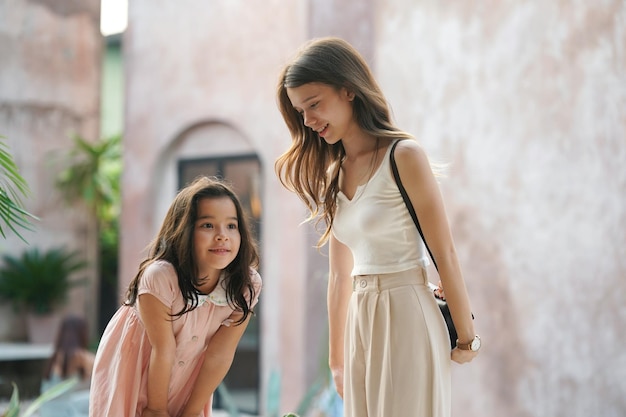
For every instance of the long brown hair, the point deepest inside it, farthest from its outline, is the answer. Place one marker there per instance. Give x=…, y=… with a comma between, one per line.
x=71, y=339
x=310, y=167
x=174, y=243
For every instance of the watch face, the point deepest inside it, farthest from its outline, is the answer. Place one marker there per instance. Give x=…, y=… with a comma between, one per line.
x=475, y=345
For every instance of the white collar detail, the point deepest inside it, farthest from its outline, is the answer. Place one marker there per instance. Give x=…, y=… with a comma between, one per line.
x=217, y=296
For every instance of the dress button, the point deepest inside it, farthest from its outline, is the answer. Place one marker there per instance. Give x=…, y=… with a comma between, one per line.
x=363, y=283
x=195, y=338
x=181, y=363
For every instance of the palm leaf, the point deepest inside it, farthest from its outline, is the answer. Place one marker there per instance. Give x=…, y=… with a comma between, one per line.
x=14, y=403
x=50, y=394
x=12, y=187
x=13, y=215
x=92, y=174
x=39, y=280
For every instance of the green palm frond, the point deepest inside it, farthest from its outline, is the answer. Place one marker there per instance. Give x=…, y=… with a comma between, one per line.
x=39, y=280
x=50, y=394
x=14, y=404
x=12, y=187
x=92, y=174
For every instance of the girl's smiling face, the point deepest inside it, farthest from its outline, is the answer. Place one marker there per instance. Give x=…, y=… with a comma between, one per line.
x=216, y=236
x=324, y=109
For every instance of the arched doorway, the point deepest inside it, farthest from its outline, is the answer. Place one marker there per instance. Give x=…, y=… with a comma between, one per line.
x=217, y=149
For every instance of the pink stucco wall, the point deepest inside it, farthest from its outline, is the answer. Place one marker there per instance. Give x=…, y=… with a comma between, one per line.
x=50, y=56
x=216, y=63
x=525, y=101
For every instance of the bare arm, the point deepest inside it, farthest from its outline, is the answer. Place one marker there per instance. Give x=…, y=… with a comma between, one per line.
x=339, y=291
x=218, y=358
x=425, y=195
x=157, y=321
x=87, y=362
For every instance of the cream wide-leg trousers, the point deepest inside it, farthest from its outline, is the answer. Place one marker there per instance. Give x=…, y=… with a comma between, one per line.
x=397, y=349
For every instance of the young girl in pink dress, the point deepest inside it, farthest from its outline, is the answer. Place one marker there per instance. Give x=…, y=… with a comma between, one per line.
x=170, y=345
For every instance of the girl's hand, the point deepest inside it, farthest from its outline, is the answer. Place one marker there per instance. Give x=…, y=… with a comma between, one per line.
x=462, y=356
x=338, y=380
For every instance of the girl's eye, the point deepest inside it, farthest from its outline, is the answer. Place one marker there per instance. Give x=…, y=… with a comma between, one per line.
x=207, y=225
x=314, y=105
x=233, y=226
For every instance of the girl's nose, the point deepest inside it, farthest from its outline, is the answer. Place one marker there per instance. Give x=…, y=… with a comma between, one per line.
x=221, y=234
x=308, y=120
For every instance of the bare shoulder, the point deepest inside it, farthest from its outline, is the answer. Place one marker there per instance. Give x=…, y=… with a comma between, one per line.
x=410, y=155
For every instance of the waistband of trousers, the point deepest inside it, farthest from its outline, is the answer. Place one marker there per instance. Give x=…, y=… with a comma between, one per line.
x=381, y=282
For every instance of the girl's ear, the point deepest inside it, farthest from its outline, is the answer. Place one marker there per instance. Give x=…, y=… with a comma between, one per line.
x=349, y=94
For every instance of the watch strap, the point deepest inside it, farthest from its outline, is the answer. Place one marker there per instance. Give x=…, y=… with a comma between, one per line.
x=468, y=345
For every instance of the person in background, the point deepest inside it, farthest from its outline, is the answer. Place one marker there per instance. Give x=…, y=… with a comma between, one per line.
x=389, y=350
x=167, y=349
x=71, y=358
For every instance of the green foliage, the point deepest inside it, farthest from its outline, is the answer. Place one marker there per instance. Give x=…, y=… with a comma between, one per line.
x=320, y=397
x=273, y=394
x=92, y=176
x=38, y=280
x=14, y=404
x=12, y=188
x=310, y=396
x=51, y=393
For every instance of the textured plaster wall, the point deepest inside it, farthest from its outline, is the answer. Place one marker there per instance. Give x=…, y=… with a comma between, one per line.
x=197, y=63
x=49, y=90
x=526, y=101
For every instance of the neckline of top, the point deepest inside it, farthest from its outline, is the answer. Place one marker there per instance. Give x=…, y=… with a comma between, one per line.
x=359, y=188
x=217, y=296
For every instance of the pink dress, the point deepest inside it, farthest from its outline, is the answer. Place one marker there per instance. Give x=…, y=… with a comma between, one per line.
x=119, y=380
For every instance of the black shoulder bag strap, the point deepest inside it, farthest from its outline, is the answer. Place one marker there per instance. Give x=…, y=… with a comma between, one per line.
x=443, y=305
x=407, y=201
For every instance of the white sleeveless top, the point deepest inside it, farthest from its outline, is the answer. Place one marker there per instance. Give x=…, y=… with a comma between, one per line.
x=377, y=226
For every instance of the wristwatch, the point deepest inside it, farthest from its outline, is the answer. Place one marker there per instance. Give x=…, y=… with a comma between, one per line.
x=473, y=345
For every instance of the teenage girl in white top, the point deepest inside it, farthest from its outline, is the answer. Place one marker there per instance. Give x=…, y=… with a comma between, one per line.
x=389, y=347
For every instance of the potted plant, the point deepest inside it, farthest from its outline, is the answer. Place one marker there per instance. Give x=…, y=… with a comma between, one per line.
x=51, y=393
x=37, y=282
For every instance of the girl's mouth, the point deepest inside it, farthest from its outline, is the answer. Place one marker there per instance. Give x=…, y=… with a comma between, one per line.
x=219, y=251
x=322, y=131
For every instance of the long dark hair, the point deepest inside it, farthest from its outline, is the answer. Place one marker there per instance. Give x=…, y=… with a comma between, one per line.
x=174, y=243
x=71, y=338
x=310, y=167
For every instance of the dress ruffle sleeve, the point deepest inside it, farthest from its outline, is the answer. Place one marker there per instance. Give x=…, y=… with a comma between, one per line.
x=159, y=279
